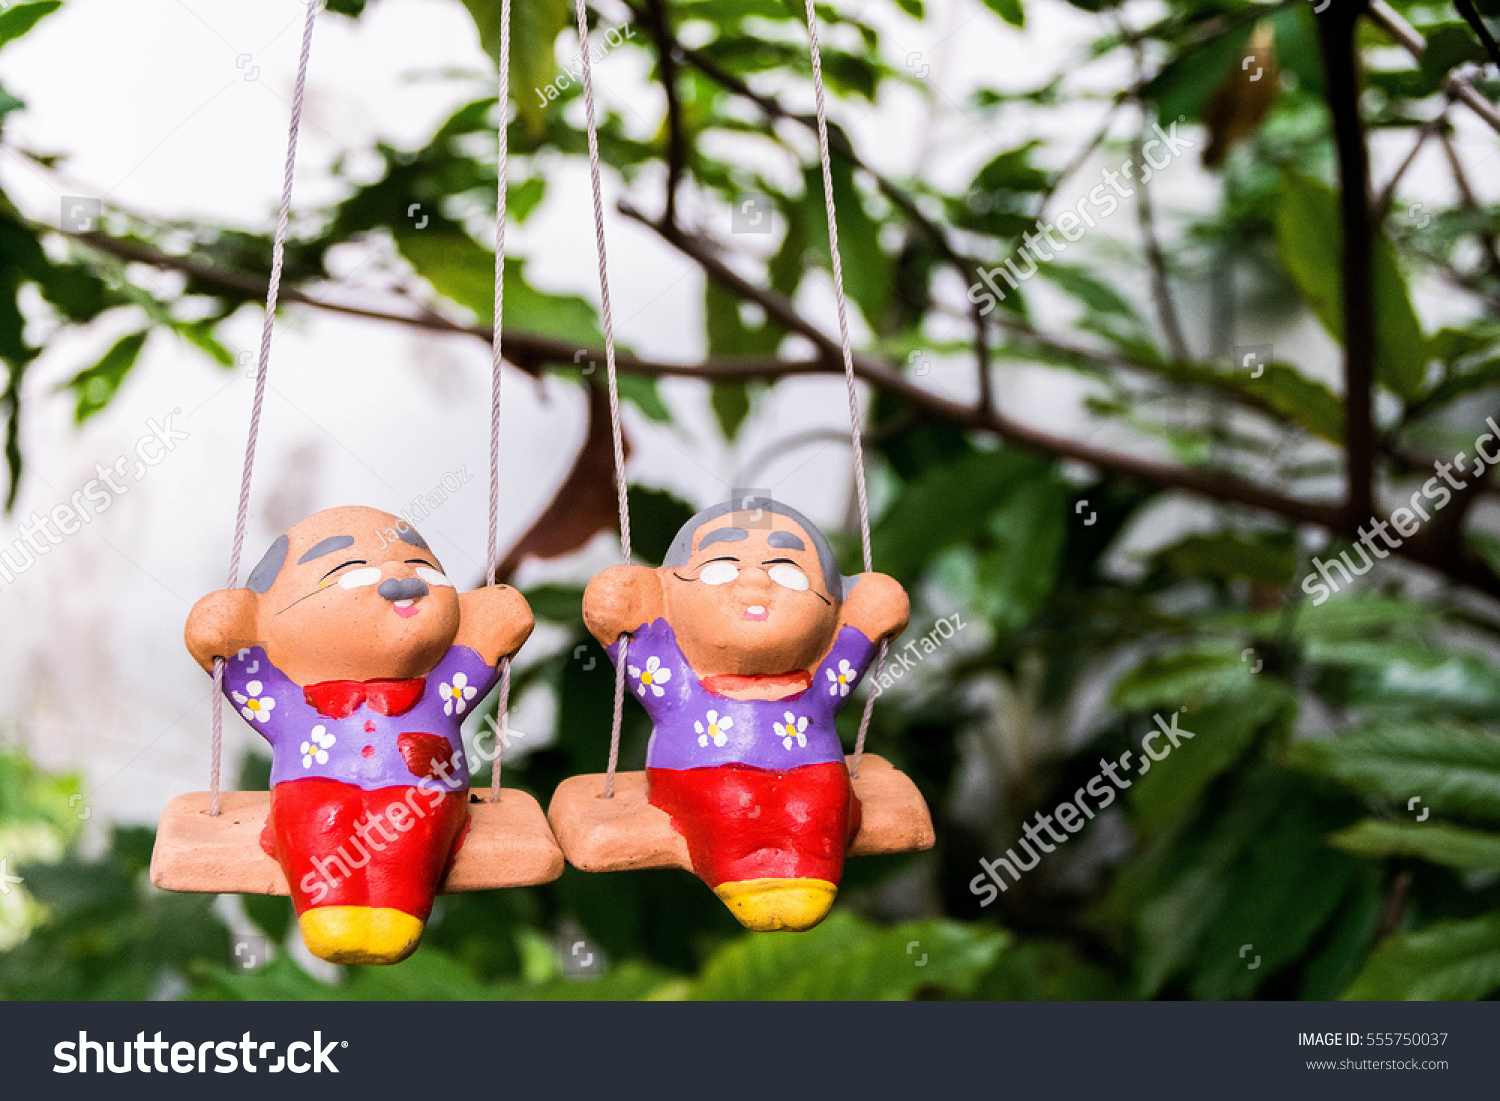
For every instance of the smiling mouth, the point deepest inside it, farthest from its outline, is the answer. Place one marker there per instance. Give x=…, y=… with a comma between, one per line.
x=757, y=613
x=405, y=608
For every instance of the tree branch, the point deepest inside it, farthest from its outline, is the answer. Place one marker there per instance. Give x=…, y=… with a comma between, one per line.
x=1388, y=193
x=967, y=267
x=1457, y=85
x=1472, y=205
x=1161, y=285
x=530, y=352
x=677, y=149
x=1336, y=28
x=1471, y=15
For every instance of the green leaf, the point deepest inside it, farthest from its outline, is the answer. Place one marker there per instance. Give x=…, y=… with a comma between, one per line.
x=731, y=404
x=1028, y=530
x=1438, y=842
x=16, y=21
x=846, y=959
x=867, y=269
x=1008, y=10
x=1278, y=898
x=1309, y=237
x=1265, y=559
x=1046, y=970
x=645, y=395
x=1482, y=376
x=1455, y=770
x=558, y=603
x=9, y=103
x=95, y=386
x=1185, y=83
x=1279, y=390
x=656, y=515
x=458, y=268
x=535, y=26
x=1222, y=733
x=1412, y=676
x=1171, y=894
x=1453, y=961
x=948, y=504
x=1186, y=677
x=1449, y=46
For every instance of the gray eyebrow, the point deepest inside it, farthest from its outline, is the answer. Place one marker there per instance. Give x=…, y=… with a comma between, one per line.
x=409, y=535
x=264, y=575
x=724, y=535
x=327, y=546
x=785, y=540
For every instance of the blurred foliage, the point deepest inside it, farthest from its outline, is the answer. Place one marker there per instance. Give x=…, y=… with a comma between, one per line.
x=1337, y=810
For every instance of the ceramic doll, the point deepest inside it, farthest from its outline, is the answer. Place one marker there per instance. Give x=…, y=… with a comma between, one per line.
x=353, y=655
x=744, y=644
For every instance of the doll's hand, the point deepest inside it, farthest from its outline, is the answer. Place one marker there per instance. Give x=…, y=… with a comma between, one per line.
x=494, y=622
x=620, y=600
x=877, y=606
x=221, y=625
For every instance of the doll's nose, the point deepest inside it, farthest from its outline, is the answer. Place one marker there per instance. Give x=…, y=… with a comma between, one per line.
x=402, y=588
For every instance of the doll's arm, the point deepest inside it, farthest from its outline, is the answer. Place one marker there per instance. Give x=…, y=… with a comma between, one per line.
x=620, y=600
x=221, y=625
x=494, y=622
x=877, y=606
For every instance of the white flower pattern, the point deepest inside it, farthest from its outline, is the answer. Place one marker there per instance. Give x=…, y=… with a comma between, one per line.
x=793, y=729
x=652, y=677
x=253, y=705
x=715, y=729
x=317, y=749
x=456, y=696
x=842, y=681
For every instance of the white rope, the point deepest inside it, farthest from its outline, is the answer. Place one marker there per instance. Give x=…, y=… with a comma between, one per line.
x=848, y=351
x=268, y=322
x=492, y=553
x=617, y=433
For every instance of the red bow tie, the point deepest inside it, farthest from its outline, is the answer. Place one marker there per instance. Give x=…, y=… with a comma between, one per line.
x=338, y=699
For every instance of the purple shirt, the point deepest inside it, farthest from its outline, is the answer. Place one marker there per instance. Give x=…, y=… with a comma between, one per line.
x=693, y=727
x=366, y=748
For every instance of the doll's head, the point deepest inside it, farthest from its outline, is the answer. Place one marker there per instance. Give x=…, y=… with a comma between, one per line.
x=751, y=588
x=353, y=594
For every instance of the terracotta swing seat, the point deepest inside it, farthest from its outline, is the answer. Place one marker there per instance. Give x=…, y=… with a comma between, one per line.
x=508, y=845
x=627, y=833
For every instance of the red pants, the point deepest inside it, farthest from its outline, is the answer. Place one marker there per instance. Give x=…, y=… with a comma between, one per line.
x=340, y=845
x=749, y=823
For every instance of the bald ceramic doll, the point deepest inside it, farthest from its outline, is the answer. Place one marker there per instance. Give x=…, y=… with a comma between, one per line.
x=353, y=655
x=744, y=645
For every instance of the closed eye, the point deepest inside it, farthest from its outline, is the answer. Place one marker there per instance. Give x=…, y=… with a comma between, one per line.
x=351, y=562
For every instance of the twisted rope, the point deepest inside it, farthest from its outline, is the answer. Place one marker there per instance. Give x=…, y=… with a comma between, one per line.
x=617, y=433
x=268, y=322
x=847, y=347
x=492, y=552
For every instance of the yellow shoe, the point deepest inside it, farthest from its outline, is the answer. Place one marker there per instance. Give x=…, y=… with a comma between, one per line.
x=767, y=905
x=360, y=934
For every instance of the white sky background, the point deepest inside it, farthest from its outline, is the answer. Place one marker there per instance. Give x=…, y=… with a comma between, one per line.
x=148, y=102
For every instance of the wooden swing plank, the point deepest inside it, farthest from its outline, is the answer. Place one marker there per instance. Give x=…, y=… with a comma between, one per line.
x=627, y=833
x=509, y=844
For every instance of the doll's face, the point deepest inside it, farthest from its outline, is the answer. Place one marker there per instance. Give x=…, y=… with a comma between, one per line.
x=751, y=599
x=358, y=596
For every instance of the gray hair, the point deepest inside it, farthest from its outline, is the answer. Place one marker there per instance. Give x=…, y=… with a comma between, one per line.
x=681, y=549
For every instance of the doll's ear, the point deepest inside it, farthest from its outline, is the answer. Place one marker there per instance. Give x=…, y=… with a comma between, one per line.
x=221, y=625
